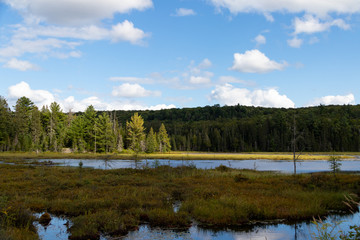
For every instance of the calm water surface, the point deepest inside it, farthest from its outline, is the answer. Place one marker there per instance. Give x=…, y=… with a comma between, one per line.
x=260, y=164
x=303, y=230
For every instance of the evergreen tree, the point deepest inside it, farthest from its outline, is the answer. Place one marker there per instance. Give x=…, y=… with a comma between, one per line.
x=56, y=127
x=5, y=125
x=36, y=129
x=164, y=141
x=135, y=133
x=23, y=108
x=90, y=134
x=105, y=139
x=151, y=142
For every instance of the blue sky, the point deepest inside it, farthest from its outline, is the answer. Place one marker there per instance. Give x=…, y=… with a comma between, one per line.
x=153, y=54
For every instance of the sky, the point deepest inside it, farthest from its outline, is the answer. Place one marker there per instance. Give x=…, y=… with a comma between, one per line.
x=157, y=54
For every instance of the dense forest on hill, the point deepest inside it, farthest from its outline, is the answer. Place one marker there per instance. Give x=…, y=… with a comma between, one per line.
x=211, y=128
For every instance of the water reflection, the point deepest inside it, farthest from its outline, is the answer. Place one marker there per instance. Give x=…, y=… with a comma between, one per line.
x=260, y=164
x=57, y=229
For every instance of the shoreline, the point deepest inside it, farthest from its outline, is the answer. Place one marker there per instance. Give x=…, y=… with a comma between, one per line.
x=178, y=156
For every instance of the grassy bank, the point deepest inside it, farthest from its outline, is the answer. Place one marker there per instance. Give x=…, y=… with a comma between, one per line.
x=116, y=201
x=173, y=155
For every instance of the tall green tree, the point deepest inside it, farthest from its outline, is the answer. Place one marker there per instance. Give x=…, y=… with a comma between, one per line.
x=90, y=135
x=23, y=109
x=164, y=141
x=151, y=142
x=36, y=129
x=105, y=139
x=135, y=133
x=56, y=127
x=5, y=125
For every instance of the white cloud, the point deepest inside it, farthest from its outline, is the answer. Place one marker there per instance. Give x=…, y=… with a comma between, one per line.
x=39, y=97
x=310, y=24
x=45, y=98
x=19, y=47
x=334, y=100
x=229, y=95
x=76, y=12
x=129, y=90
x=199, y=80
x=260, y=39
x=181, y=12
x=269, y=17
x=197, y=74
x=254, y=61
x=318, y=7
x=125, y=31
x=19, y=65
x=206, y=63
x=295, y=42
x=74, y=105
x=132, y=80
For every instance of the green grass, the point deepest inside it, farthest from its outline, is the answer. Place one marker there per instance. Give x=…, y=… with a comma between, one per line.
x=117, y=201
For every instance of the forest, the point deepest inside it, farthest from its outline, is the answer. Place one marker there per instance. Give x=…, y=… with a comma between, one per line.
x=210, y=128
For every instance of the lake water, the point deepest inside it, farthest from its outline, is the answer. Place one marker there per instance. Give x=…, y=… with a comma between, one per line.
x=259, y=164
x=303, y=230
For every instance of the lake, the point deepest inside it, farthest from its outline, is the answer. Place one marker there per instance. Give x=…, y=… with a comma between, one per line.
x=283, y=166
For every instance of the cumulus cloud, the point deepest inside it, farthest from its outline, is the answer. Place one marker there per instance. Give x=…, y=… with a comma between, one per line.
x=71, y=104
x=260, y=39
x=76, y=12
x=39, y=97
x=19, y=65
x=197, y=74
x=319, y=7
x=45, y=98
x=295, y=42
x=334, y=100
x=55, y=28
x=182, y=12
x=229, y=95
x=254, y=61
x=129, y=90
x=310, y=24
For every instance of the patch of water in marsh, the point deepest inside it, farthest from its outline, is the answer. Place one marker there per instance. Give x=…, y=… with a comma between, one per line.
x=284, y=166
x=57, y=230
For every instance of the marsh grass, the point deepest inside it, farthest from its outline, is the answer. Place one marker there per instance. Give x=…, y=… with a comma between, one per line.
x=116, y=201
x=169, y=155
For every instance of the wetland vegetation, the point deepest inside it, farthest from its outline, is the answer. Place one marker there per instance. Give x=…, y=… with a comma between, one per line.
x=117, y=201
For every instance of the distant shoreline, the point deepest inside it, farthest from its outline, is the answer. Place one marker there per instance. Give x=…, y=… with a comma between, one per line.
x=177, y=156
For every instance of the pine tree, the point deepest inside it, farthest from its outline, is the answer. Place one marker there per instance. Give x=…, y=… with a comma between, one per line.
x=105, y=139
x=135, y=133
x=36, y=128
x=90, y=134
x=23, y=108
x=164, y=141
x=151, y=142
x=5, y=125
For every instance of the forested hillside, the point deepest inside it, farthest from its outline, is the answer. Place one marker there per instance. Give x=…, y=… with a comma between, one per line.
x=210, y=128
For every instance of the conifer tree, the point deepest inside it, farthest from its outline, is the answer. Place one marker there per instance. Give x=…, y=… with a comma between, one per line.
x=105, y=139
x=151, y=142
x=164, y=141
x=135, y=133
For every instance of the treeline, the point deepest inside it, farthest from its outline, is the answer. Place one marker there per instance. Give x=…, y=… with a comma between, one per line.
x=246, y=129
x=211, y=128
x=29, y=129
